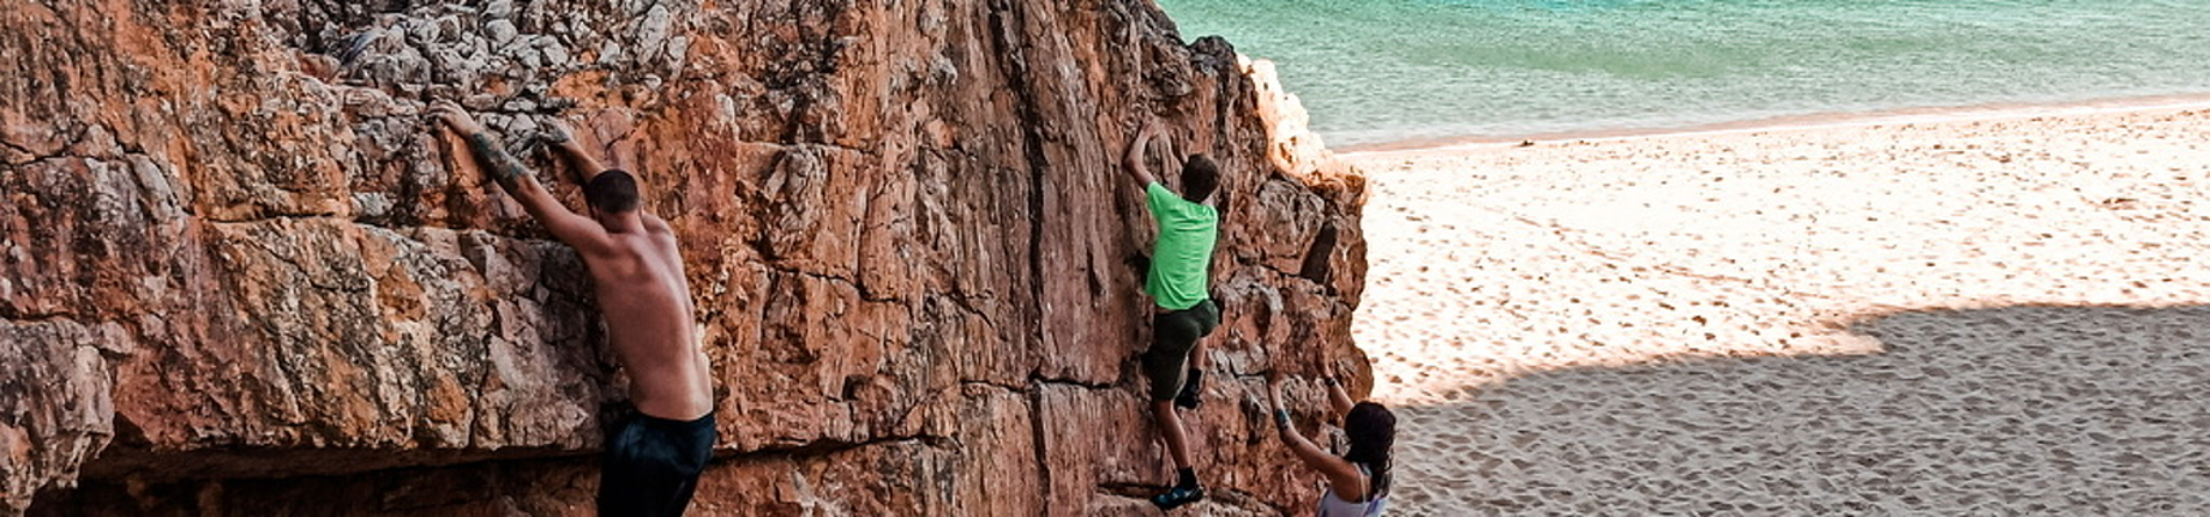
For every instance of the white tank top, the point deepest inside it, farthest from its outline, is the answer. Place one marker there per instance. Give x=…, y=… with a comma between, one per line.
x=1332, y=505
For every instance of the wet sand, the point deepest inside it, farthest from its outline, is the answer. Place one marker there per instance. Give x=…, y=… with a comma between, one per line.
x=1999, y=317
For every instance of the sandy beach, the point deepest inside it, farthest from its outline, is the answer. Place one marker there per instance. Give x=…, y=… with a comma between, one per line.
x=1970, y=317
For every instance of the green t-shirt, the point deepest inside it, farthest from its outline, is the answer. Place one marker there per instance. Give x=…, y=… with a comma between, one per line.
x=1181, y=261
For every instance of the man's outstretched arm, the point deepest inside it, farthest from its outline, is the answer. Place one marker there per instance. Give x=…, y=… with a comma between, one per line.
x=588, y=167
x=563, y=139
x=576, y=230
x=1134, y=159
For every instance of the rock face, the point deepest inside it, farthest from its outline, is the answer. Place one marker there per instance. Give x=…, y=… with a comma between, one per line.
x=240, y=275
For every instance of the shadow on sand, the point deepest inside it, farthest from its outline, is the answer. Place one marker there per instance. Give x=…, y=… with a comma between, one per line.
x=2017, y=410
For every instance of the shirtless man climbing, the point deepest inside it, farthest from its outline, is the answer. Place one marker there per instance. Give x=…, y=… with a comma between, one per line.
x=654, y=456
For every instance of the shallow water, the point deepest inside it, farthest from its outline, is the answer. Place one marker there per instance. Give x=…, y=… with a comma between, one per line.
x=1374, y=71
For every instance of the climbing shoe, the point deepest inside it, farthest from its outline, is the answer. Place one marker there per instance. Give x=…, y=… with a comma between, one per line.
x=1178, y=496
x=1188, y=397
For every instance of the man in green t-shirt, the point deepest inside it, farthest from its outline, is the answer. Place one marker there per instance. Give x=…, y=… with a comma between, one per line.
x=1178, y=282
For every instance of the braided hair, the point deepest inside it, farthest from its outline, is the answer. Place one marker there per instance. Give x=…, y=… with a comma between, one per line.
x=1371, y=430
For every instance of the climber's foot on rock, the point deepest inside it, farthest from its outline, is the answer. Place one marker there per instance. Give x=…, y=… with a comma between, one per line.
x=1188, y=397
x=1178, y=496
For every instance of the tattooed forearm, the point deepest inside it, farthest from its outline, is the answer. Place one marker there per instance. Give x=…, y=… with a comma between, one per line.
x=503, y=167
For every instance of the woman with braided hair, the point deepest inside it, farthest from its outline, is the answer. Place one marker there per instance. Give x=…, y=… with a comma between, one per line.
x=1357, y=481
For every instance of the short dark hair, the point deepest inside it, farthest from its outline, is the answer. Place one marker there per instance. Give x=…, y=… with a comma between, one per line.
x=1199, y=178
x=1372, y=431
x=613, y=191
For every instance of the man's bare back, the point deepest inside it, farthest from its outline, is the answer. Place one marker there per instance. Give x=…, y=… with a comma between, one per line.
x=636, y=272
x=646, y=300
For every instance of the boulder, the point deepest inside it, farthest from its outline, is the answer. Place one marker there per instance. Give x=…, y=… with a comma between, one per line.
x=241, y=274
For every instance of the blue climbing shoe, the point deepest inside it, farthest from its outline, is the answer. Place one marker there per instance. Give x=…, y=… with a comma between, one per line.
x=1178, y=496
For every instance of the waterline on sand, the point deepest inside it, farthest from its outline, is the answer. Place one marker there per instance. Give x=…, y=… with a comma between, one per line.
x=1933, y=115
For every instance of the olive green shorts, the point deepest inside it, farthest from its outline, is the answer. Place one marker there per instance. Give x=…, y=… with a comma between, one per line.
x=1173, y=335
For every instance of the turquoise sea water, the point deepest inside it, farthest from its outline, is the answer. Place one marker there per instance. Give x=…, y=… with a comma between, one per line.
x=1374, y=71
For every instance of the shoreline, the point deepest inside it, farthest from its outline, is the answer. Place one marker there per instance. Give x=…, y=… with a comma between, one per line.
x=1980, y=112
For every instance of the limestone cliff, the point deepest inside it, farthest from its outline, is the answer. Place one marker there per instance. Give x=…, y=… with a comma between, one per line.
x=240, y=275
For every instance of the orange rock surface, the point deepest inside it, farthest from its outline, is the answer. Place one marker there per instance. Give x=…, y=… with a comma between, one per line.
x=241, y=275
